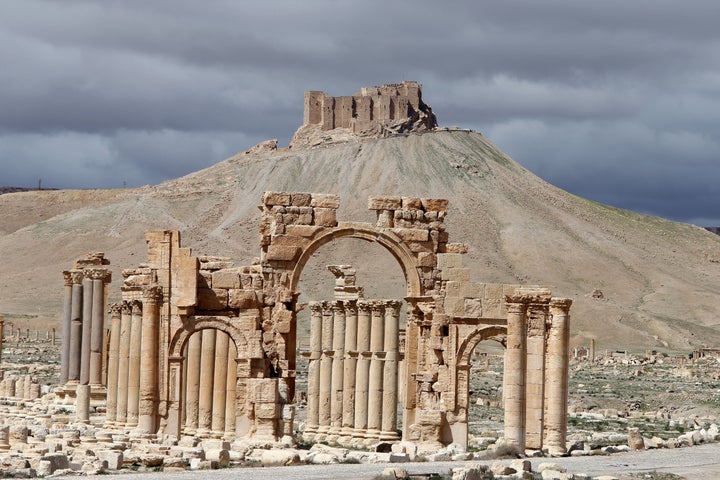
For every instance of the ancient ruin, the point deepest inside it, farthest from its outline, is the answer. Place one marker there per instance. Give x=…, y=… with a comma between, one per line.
x=373, y=111
x=200, y=347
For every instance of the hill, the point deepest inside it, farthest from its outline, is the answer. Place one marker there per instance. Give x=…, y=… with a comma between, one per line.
x=659, y=279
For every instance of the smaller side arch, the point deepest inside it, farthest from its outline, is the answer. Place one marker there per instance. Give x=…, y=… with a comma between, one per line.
x=224, y=324
x=468, y=344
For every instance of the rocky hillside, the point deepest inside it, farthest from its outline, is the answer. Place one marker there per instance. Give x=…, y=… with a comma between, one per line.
x=660, y=280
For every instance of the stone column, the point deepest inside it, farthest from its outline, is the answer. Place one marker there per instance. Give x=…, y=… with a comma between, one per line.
x=349, y=366
x=66, y=326
x=136, y=339
x=207, y=377
x=375, y=396
x=362, y=375
x=98, y=326
x=390, y=372
x=338, y=346
x=313, y=394
x=557, y=368
x=113, y=364
x=86, y=329
x=76, y=312
x=193, y=382
x=220, y=382
x=514, y=372
x=123, y=363
x=147, y=411
x=535, y=373
x=326, y=360
x=230, y=385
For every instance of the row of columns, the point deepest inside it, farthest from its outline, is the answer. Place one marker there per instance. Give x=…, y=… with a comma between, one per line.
x=353, y=371
x=82, y=326
x=536, y=370
x=211, y=378
x=133, y=376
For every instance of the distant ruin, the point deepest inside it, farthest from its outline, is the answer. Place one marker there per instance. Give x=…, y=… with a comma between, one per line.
x=373, y=111
x=199, y=347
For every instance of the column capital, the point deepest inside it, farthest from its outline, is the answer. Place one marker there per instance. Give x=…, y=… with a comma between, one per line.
x=116, y=309
x=393, y=303
x=377, y=307
x=67, y=276
x=560, y=305
x=351, y=307
x=316, y=307
x=99, y=274
x=136, y=307
x=77, y=276
x=126, y=307
x=517, y=303
x=364, y=306
x=338, y=307
x=152, y=294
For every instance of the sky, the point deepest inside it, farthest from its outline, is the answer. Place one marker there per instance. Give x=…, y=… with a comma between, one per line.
x=615, y=101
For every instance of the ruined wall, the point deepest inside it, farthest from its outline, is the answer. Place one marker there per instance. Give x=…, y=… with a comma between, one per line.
x=367, y=110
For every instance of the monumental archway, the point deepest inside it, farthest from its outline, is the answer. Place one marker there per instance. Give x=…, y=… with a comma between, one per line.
x=177, y=292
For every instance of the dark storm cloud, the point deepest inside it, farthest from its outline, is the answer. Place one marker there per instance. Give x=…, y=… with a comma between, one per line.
x=615, y=101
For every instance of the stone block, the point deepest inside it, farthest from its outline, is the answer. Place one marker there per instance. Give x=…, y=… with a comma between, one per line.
x=456, y=274
x=412, y=234
x=434, y=204
x=449, y=260
x=325, y=217
x=494, y=291
x=456, y=248
x=384, y=203
x=300, y=199
x=427, y=259
x=304, y=231
x=276, y=198
x=266, y=410
x=265, y=391
x=473, y=307
x=242, y=299
x=287, y=240
x=409, y=203
x=229, y=278
x=114, y=458
x=212, y=299
x=325, y=200
x=283, y=253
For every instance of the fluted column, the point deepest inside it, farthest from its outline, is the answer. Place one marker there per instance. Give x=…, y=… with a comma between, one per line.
x=86, y=329
x=113, y=363
x=535, y=373
x=123, y=363
x=76, y=312
x=313, y=395
x=98, y=326
x=375, y=396
x=220, y=383
x=324, y=410
x=207, y=376
x=362, y=376
x=514, y=372
x=147, y=411
x=390, y=372
x=349, y=366
x=557, y=367
x=338, y=346
x=193, y=382
x=133, y=389
x=66, y=327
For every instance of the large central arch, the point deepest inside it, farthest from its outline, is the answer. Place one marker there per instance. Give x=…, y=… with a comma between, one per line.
x=383, y=237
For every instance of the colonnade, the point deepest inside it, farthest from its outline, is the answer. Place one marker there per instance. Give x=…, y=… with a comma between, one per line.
x=536, y=363
x=211, y=379
x=353, y=371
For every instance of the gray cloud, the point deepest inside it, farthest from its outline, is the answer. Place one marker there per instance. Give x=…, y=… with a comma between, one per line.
x=615, y=101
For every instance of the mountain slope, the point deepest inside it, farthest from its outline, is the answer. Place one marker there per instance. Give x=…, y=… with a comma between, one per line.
x=660, y=279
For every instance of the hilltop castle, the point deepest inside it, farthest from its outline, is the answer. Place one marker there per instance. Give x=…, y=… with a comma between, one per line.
x=373, y=111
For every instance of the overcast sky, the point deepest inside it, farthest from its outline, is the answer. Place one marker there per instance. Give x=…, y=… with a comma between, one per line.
x=616, y=101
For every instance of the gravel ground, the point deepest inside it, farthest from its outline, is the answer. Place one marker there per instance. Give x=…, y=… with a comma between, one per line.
x=693, y=463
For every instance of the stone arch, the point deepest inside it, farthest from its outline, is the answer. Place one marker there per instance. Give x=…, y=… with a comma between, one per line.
x=468, y=344
x=224, y=324
x=385, y=238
